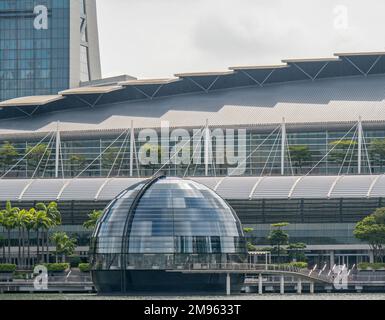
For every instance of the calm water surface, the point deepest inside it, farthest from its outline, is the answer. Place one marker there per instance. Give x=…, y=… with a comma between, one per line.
x=322, y=296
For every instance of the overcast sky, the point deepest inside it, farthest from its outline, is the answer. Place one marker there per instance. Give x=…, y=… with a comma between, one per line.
x=158, y=38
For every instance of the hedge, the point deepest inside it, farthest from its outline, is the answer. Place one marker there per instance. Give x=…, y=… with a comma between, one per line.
x=7, y=267
x=374, y=266
x=299, y=265
x=56, y=267
x=84, y=267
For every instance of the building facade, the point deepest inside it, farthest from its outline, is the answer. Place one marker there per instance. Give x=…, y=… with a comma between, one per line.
x=47, y=46
x=302, y=142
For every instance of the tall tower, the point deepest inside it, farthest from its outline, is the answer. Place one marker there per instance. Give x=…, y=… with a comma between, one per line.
x=47, y=46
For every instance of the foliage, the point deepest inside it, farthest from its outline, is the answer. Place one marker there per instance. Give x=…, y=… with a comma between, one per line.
x=84, y=267
x=93, y=218
x=64, y=244
x=299, y=155
x=35, y=153
x=74, y=261
x=278, y=237
x=372, y=230
x=299, y=265
x=7, y=267
x=340, y=151
x=374, y=266
x=296, y=251
x=377, y=150
x=57, y=267
x=8, y=154
x=248, y=230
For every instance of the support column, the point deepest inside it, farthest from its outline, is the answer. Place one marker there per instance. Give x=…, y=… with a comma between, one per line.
x=282, y=285
x=228, y=284
x=332, y=261
x=207, y=146
x=359, y=145
x=57, y=155
x=299, y=286
x=283, y=146
x=260, y=288
x=132, y=141
x=311, y=287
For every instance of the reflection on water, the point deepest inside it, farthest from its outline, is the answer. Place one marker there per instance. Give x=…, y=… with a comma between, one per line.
x=321, y=296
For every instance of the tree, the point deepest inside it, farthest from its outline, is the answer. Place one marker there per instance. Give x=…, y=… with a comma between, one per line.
x=77, y=161
x=296, y=253
x=41, y=222
x=8, y=155
x=250, y=246
x=65, y=245
x=372, y=230
x=9, y=223
x=278, y=237
x=377, y=151
x=29, y=223
x=36, y=153
x=54, y=219
x=93, y=218
x=340, y=152
x=299, y=155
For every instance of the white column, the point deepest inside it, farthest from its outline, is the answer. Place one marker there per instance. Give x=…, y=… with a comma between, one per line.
x=359, y=145
x=283, y=146
x=282, y=284
x=228, y=284
x=207, y=147
x=57, y=155
x=132, y=142
x=312, y=287
x=260, y=288
x=299, y=286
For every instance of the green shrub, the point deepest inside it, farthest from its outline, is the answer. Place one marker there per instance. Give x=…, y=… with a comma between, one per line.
x=56, y=267
x=74, y=261
x=84, y=267
x=299, y=265
x=374, y=266
x=7, y=267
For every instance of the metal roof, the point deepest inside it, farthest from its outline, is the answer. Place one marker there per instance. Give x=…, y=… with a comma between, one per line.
x=31, y=101
x=348, y=65
x=231, y=188
x=90, y=90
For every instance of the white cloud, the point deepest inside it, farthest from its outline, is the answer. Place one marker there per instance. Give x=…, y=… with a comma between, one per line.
x=152, y=38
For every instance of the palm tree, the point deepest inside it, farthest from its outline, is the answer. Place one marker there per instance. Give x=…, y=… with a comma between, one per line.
x=29, y=223
x=19, y=216
x=93, y=218
x=9, y=223
x=2, y=238
x=42, y=222
x=54, y=217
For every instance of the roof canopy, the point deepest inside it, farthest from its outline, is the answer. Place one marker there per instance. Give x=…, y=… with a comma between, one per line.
x=231, y=188
x=346, y=65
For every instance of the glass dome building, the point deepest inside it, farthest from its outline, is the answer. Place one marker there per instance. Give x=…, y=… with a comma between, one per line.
x=156, y=230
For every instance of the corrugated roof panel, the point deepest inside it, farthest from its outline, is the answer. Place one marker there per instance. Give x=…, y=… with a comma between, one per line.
x=237, y=187
x=11, y=189
x=115, y=186
x=209, y=182
x=378, y=189
x=313, y=187
x=44, y=189
x=82, y=189
x=274, y=188
x=352, y=187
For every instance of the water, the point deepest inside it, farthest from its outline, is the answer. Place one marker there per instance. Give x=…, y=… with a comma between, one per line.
x=320, y=296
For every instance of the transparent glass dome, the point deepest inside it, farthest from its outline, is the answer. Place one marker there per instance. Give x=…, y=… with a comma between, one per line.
x=167, y=223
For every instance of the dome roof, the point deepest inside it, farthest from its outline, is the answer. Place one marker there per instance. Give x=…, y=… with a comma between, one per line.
x=167, y=217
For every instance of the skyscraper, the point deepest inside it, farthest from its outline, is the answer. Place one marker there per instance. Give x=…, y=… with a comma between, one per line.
x=47, y=46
